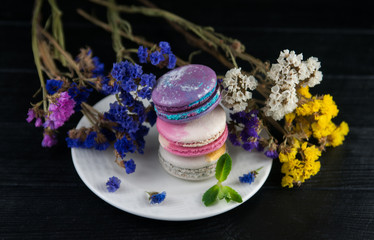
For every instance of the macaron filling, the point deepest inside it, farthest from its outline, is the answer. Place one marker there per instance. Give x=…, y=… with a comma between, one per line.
x=191, y=113
x=196, y=143
x=194, y=151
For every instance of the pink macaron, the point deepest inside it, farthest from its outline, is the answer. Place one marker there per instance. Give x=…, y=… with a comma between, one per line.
x=199, y=137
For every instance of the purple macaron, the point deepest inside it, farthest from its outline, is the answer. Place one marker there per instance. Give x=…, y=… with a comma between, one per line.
x=186, y=93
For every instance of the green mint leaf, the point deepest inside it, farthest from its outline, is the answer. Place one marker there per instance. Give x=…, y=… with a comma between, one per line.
x=231, y=194
x=221, y=193
x=223, y=167
x=210, y=196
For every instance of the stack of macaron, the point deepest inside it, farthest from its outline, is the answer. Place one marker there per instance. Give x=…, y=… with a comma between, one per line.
x=191, y=124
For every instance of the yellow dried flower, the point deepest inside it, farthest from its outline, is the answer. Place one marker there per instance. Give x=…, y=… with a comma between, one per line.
x=309, y=108
x=304, y=91
x=323, y=127
x=289, y=118
x=287, y=181
x=328, y=106
x=311, y=153
x=297, y=171
x=287, y=156
x=303, y=126
x=338, y=135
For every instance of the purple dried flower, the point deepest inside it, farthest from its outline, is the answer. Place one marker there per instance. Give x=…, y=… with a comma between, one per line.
x=30, y=115
x=49, y=139
x=271, y=154
x=234, y=139
x=61, y=110
x=38, y=122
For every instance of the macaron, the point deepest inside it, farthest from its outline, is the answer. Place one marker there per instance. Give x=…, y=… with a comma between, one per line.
x=186, y=93
x=199, y=137
x=190, y=168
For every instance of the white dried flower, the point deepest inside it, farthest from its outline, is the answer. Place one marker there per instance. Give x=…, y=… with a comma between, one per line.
x=236, y=94
x=290, y=71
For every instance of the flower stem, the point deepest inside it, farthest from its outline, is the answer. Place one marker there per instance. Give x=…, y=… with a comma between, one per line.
x=113, y=20
x=136, y=39
x=65, y=54
x=57, y=29
x=34, y=42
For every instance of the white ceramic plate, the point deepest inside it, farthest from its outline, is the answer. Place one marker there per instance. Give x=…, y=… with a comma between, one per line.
x=183, y=198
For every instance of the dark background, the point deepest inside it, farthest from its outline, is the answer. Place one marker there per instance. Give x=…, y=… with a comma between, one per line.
x=42, y=196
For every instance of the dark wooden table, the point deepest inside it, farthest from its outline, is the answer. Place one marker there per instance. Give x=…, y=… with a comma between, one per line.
x=42, y=196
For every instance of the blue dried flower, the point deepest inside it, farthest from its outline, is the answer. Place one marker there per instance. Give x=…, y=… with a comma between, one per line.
x=113, y=184
x=109, y=135
x=102, y=146
x=74, y=142
x=129, y=166
x=248, y=178
x=123, y=146
x=145, y=93
x=109, y=86
x=172, y=61
x=156, y=198
x=156, y=57
x=53, y=86
x=99, y=67
x=126, y=71
x=151, y=117
x=79, y=94
x=127, y=99
x=90, y=140
x=165, y=47
x=119, y=114
x=148, y=80
x=142, y=54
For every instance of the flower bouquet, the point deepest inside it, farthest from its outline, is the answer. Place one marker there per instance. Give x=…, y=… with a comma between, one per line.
x=271, y=107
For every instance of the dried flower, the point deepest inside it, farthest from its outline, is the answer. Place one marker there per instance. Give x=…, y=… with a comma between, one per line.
x=236, y=86
x=250, y=177
x=287, y=74
x=49, y=139
x=53, y=86
x=156, y=57
x=142, y=54
x=156, y=198
x=113, y=184
x=60, y=109
x=129, y=166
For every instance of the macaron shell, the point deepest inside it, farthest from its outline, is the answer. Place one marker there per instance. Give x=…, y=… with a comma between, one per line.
x=202, y=130
x=183, y=86
x=188, y=168
x=193, y=151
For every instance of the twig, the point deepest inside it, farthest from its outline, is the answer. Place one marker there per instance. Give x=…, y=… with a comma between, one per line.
x=133, y=38
x=67, y=56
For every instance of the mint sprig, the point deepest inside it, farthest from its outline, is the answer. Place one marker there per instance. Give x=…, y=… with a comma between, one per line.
x=218, y=191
